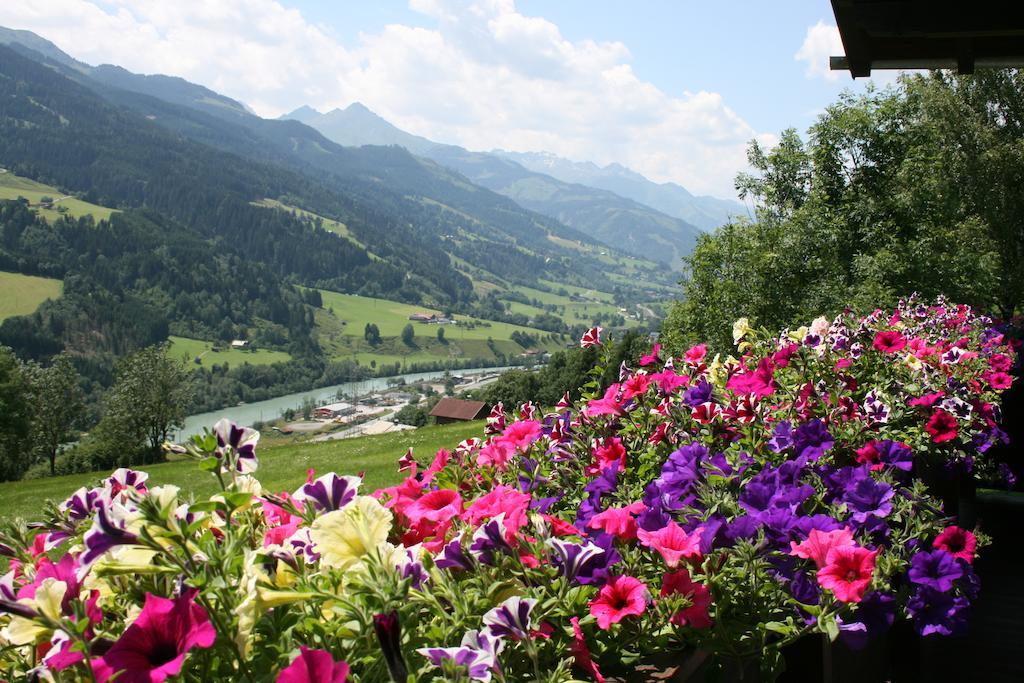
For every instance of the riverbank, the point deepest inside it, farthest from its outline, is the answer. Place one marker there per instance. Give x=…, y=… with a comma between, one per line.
x=271, y=409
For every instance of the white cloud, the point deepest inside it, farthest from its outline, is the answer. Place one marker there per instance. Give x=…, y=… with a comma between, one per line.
x=821, y=42
x=483, y=76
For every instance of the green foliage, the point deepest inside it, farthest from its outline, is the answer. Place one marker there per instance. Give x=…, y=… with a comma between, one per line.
x=911, y=188
x=147, y=403
x=372, y=334
x=15, y=417
x=58, y=406
x=408, y=335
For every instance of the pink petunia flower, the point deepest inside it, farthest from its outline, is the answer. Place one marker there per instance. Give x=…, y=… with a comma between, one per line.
x=847, y=572
x=521, y=434
x=635, y=386
x=503, y=499
x=621, y=597
x=759, y=382
x=957, y=542
x=154, y=646
x=928, y=400
x=819, y=543
x=672, y=542
x=608, y=453
x=668, y=381
x=999, y=380
x=314, y=666
x=436, y=506
x=619, y=522
x=942, y=426
x=680, y=583
x=695, y=354
x=581, y=653
x=610, y=404
x=652, y=357
x=497, y=453
x=889, y=341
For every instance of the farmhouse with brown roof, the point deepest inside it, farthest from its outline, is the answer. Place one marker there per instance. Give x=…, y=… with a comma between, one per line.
x=456, y=410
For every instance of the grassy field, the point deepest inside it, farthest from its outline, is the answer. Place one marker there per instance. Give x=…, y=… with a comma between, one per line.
x=282, y=467
x=22, y=294
x=12, y=187
x=197, y=348
x=390, y=317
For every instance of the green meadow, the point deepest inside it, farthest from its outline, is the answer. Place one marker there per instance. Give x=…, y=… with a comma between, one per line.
x=282, y=467
x=22, y=294
x=12, y=187
x=190, y=349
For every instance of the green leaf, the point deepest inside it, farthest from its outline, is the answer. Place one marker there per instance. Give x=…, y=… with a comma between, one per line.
x=209, y=464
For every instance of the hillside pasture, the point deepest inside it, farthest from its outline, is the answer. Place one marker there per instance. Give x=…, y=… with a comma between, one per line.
x=22, y=294
x=13, y=186
x=191, y=349
x=282, y=467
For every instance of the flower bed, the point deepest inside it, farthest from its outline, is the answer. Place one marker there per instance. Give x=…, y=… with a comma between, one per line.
x=698, y=509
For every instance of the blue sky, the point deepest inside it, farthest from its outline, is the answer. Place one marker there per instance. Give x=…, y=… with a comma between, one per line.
x=743, y=49
x=674, y=90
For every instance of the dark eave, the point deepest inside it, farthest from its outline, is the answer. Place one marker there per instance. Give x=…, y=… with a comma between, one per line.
x=934, y=34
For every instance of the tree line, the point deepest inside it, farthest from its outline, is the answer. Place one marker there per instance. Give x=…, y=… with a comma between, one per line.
x=911, y=188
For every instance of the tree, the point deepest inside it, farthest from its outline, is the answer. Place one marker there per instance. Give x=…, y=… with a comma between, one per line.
x=914, y=188
x=149, y=398
x=58, y=407
x=408, y=335
x=440, y=335
x=371, y=333
x=15, y=417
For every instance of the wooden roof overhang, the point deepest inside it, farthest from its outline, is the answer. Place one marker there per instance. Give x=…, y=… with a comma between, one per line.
x=929, y=34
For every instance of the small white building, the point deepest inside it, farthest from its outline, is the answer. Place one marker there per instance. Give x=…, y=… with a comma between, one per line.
x=239, y=343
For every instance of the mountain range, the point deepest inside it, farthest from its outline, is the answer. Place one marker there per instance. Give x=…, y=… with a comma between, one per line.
x=612, y=204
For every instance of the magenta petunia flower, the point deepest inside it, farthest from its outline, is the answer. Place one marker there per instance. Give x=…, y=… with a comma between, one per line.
x=957, y=542
x=942, y=426
x=314, y=666
x=521, y=434
x=621, y=597
x=889, y=341
x=847, y=572
x=680, y=583
x=154, y=646
x=620, y=522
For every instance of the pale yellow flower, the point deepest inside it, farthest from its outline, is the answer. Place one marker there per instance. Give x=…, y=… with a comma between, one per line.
x=740, y=329
x=47, y=601
x=343, y=537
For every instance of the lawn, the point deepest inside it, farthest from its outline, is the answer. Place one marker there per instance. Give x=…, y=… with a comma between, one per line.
x=282, y=467
x=191, y=349
x=391, y=317
x=12, y=187
x=22, y=294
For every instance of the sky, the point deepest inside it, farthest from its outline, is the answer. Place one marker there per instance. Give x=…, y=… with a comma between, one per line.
x=674, y=89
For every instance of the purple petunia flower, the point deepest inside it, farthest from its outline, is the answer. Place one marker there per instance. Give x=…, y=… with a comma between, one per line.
x=697, y=394
x=782, y=437
x=107, y=531
x=811, y=440
x=874, y=616
x=596, y=569
x=488, y=540
x=236, y=446
x=937, y=612
x=936, y=569
x=477, y=664
x=866, y=497
x=453, y=557
x=510, y=619
x=569, y=557
x=329, y=492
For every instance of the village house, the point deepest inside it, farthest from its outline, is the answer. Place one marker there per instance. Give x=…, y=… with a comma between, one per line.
x=450, y=410
x=333, y=410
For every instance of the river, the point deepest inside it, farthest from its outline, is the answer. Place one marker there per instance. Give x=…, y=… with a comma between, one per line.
x=260, y=411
